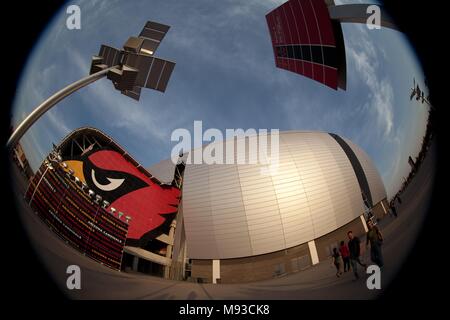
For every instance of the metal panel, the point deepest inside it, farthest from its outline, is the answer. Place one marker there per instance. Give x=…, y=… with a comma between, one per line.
x=110, y=55
x=234, y=211
x=304, y=42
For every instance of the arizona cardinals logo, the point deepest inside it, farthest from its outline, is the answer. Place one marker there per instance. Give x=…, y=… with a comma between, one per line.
x=150, y=205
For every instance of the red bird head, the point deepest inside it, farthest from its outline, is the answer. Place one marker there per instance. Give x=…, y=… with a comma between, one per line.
x=150, y=205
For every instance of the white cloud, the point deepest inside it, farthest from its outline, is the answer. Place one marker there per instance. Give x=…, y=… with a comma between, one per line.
x=365, y=57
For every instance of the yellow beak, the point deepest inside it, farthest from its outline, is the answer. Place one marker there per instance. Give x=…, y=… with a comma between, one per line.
x=77, y=167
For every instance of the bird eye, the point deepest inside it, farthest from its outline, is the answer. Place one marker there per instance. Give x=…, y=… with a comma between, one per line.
x=112, y=185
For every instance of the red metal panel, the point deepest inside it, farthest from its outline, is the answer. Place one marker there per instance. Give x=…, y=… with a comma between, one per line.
x=323, y=19
x=284, y=63
x=318, y=73
x=308, y=69
x=303, y=22
x=300, y=21
x=299, y=66
x=271, y=24
x=287, y=33
x=311, y=23
x=294, y=36
x=275, y=27
x=291, y=21
x=331, y=78
x=278, y=62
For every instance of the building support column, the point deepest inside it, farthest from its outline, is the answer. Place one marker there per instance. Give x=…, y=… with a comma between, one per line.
x=313, y=252
x=384, y=208
x=363, y=221
x=169, y=249
x=215, y=270
x=135, y=263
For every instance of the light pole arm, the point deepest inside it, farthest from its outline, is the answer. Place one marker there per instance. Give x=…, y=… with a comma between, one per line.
x=50, y=102
x=357, y=13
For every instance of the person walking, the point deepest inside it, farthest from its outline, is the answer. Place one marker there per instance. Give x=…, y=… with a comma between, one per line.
x=345, y=254
x=337, y=261
x=354, y=248
x=375, y=239
x=393, y=209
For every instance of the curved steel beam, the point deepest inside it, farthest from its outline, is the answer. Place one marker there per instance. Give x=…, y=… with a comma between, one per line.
x=50, y=102
x=357, y=13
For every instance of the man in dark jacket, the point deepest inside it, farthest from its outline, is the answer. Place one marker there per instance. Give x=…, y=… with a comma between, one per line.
x=375, y=239
x=355, y=252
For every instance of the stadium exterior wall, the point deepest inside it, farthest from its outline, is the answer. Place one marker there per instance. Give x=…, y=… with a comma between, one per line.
x=234, y=211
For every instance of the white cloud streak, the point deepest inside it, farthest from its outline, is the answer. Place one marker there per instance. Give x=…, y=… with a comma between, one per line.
x=363, y=55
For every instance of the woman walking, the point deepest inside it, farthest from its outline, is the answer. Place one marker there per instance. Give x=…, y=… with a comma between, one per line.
x=337, y=261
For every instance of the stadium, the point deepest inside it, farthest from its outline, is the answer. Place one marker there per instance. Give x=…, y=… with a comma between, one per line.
x=216, y=223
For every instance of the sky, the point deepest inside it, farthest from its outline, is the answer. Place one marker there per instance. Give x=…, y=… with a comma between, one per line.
x=225, y=76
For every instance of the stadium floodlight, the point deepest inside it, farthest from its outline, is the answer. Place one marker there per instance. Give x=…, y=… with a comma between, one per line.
x=98, y=198
x=64, y=165
x=113, y=210
x=105, y=204
x=128, y=219
x=134, y=67
x=130, y=69
x=120, y=214
x=91, y=193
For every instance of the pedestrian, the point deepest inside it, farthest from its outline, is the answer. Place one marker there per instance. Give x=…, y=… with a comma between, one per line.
x=337, y=261
x=393, y=209
x=375, y=238
x=345, y=254
x=354, y=248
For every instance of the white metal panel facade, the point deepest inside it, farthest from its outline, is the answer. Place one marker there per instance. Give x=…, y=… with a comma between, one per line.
x=235, y=211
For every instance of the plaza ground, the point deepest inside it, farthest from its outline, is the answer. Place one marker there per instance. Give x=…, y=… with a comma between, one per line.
x=316, y=282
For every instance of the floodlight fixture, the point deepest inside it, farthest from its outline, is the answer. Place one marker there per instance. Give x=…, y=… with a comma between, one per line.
x=105, y=204
x=98, y=198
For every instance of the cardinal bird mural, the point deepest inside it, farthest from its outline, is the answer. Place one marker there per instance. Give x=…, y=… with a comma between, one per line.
x=151, y=205
x=98, y=199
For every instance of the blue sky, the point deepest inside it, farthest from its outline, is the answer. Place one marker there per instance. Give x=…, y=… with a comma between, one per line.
x=226, y=77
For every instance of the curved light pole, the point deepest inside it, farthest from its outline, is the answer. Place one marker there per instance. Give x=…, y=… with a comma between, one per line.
x=50, y=102
x=130, y=69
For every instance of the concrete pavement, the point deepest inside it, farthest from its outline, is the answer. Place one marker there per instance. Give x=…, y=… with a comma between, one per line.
x=317, y=282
